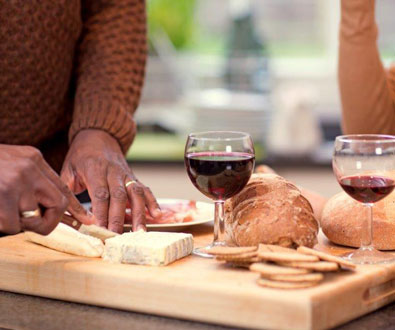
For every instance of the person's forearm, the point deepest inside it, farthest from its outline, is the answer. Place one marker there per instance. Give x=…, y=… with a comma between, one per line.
x=365, y=94
x=110, y=66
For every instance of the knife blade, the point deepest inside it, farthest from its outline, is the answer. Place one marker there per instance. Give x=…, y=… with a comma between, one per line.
x=92, y=230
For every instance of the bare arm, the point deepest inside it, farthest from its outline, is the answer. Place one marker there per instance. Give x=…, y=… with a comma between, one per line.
x=366, y=90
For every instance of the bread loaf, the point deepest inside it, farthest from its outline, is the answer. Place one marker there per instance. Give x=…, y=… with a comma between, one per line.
x=343, y=221
x=270, y=210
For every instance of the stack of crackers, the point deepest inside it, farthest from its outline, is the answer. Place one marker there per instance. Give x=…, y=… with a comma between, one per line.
x=280, y=267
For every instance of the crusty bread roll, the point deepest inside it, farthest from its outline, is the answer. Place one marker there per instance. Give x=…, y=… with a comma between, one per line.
x=270, y=210
x=343, y=220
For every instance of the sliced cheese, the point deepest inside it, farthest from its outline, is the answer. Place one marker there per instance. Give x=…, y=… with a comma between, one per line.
x=97, y=231
x=148, y=248
x=66, y=239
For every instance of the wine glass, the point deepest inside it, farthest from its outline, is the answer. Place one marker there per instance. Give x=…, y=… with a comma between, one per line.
x=219, y=164
x=363, y=165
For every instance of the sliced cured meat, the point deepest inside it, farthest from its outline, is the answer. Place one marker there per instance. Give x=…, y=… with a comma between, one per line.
x=183, y=211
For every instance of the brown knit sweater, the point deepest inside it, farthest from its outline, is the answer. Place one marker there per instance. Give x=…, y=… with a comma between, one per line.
x=68, y=65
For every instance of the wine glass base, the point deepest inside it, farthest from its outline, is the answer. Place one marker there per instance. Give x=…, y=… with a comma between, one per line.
x=369, y=256
x=200, y=251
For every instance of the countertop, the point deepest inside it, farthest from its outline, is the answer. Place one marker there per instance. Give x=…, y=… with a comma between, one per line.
x=18, y=311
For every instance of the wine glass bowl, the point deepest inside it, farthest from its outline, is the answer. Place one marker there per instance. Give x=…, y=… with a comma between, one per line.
x=219, y=164
x=364, y=167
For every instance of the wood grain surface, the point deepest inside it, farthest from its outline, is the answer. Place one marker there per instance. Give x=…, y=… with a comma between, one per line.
x=195, y=288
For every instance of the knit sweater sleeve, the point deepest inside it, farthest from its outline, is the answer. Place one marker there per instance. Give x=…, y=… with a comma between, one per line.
x=367, y=90
x=110, y=67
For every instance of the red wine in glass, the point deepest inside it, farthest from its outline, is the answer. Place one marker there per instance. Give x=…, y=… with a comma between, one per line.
x=219, y=175
x=367, y=188
x=363, y=164
x=219, y=164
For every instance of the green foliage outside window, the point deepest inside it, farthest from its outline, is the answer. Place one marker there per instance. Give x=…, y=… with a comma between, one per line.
x=173, y=17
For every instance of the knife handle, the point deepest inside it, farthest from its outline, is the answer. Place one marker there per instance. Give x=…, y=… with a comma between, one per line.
x=70, y=221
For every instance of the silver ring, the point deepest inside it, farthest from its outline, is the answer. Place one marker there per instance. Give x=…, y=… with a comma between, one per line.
x=127, y=184
x=31, y=214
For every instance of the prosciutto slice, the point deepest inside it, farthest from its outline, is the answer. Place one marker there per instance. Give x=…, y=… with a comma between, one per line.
x=174, y=213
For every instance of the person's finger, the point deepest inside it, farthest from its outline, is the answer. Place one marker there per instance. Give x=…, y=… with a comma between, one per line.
x=136, y=193
x=50, y=220
x=38, y=193
x=28, y=202
x=70, y=178
x=152, y=204
x=118, y=199
x=75, y=207
x=67, y=176
x=128, y=218
x=9, y=215
x=96, y=182
x=52, y=203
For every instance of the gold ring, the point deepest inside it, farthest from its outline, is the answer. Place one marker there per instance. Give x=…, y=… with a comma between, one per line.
x=127, y=184
x=31, y=214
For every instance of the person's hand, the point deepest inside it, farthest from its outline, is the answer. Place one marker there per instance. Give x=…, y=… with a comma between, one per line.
x=27, y=183
x=95, y=162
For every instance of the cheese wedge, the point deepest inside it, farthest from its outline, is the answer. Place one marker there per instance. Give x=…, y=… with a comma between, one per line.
x=96, y=231
x=66, y=239
x=148, y=248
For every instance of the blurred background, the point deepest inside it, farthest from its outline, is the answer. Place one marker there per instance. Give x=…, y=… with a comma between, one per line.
x=267, y=67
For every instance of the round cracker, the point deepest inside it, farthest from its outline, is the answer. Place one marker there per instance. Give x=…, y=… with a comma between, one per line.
x=239, y=260
x=285, y=285
x=319, y=266
x=326, y=256
x=230, y=250
x=237, y=257
x=312, y=277
x=239, y=264
x=274, y=248
x=286, y=257
x=266, y=269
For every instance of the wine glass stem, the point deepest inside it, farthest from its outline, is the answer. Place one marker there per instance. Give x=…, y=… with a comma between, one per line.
x=219, y=223
x=367, y=234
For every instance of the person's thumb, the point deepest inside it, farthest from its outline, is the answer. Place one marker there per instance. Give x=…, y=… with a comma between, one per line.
x=69, y=177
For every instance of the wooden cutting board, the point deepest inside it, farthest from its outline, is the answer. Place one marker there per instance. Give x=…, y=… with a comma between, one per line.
x=194, y=288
